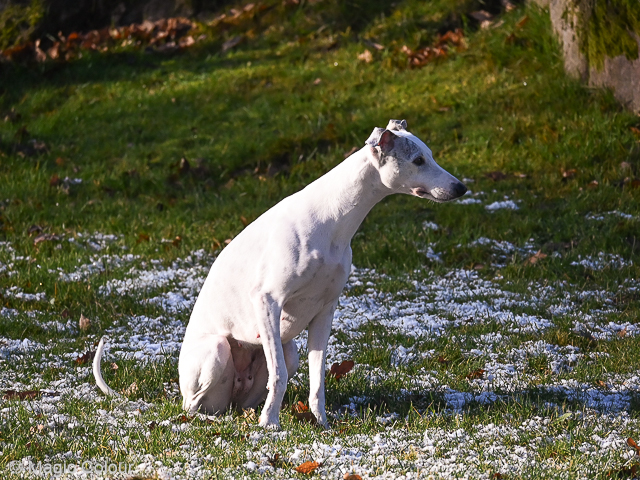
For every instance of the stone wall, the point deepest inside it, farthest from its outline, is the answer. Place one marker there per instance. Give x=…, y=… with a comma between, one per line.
x=619, y=73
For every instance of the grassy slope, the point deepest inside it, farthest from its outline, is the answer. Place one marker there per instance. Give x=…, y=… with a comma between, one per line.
x=122, y=121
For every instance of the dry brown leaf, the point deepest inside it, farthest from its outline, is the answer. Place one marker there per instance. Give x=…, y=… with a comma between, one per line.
x=522, y=22
x=305, y=417
x=142, y=237
x=365, y=56
x=479, y=373
x=532, y=260
x=85, y=357
x=24, y=395
x=340, y=370
x=632, y=443
x=497, y=175
x=307, y=467
x=37, y=428
x=131, y=389
x=635, y=130
x=622, y=333
x=352, y=476
x=84, y=323
x=300, y=407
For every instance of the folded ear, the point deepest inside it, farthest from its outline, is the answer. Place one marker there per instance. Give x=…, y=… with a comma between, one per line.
x=397, y=125
x=374, y=138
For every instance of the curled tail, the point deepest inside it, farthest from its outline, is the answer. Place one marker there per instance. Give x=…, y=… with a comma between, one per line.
x=102, y=385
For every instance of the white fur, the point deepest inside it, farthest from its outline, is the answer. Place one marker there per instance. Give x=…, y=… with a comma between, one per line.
x=285, y=272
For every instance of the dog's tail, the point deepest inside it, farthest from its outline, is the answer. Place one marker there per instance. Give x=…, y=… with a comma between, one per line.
x=102, y=385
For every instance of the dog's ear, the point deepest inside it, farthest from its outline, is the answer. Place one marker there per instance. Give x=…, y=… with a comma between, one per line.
x=374, y=138
x=397, y=125
x=382, y=138
x=386, y=142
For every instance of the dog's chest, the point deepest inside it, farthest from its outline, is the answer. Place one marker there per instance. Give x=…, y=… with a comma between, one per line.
x=320, y=291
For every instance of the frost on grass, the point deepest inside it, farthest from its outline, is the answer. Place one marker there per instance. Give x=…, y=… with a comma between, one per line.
x=496, y=326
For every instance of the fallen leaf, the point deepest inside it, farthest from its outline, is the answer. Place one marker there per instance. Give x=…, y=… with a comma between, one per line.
x=532, y=260
x=443, y=360
x=479, y=373
x=483, y=17
x=176, y=241
x=365, y=56
x=375, y=45
x=632, y=443
x=305, y=417
x=275, y=461
x=142, y=237
x=622, y=333
x=131, y=389
x=340, y=370
x=232, y=42
x=523, y=21
x=24, y=395
x=54, y=181
x=46, y=237
x=34, y=229
x=635, y=130
x=602, y=384
x=307, y=467
x=85, y=357
x=300, y=407
x=186, y=42
x=37, y=429
x=497, y=175
x=244, y=220
x=184, y=166
x=84, y=323
x=593, y=184
x=352, y=476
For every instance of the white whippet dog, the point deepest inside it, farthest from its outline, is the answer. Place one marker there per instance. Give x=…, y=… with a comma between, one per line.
x=284, y=273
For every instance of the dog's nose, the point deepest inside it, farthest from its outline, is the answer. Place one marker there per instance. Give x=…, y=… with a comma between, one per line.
x=460, y=189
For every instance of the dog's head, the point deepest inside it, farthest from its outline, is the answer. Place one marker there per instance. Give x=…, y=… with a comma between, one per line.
x=406, y=165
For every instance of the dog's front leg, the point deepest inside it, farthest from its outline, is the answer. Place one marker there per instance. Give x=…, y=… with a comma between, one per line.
x=268, y=314
x=319, y=331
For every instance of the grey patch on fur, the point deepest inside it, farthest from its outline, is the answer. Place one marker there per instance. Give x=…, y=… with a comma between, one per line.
x=397, y=125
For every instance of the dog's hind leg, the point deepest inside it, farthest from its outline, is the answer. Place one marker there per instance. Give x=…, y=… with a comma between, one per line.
x=206, y=374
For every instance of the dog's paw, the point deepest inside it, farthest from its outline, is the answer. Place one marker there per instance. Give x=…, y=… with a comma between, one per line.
x=269, y=424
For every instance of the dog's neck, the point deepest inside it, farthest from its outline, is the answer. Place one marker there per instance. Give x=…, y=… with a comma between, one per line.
x=346, y=194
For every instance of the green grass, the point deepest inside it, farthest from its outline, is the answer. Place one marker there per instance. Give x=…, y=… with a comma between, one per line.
x=256, y=126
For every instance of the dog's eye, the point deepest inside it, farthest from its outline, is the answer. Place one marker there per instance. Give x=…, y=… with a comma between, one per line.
x=419, y=161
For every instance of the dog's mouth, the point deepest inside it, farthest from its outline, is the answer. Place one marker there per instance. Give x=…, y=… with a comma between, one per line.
x=422, y=193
